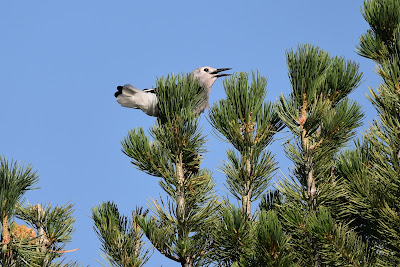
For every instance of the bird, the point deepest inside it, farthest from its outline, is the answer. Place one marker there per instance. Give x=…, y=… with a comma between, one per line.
x=146, y=100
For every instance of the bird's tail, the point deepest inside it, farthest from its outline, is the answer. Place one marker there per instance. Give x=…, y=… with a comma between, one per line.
x=131, y=97
x=126, y=95
x=119, y=91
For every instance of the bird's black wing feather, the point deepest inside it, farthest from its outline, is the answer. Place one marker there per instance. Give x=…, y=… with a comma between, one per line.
x=119, y=90
x=152, y=90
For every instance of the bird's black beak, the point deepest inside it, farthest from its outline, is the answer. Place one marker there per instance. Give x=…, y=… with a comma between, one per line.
x=221, y=74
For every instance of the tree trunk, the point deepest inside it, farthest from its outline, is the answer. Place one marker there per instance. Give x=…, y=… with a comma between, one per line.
x=311, y=189
x=307, y=153
x=6, y=231
x=7, y=256
x=181, y=208
x=180, y=191
x=246, y=206
x=246, y=196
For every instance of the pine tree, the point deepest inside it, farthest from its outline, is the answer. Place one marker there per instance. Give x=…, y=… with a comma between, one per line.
x=245, y=120
x=322, y=120
x=372, y=170
x=51, y=228
x=249, y=125
x=337, y=208
x=178, y=227
x=121, y=237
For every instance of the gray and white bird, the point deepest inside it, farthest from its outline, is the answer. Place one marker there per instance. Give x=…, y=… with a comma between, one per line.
x=131, y=97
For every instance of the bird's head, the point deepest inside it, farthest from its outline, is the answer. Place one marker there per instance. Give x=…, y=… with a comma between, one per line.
x=208, y=75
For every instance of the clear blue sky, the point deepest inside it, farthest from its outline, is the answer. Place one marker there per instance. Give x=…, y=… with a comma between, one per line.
x=60, y=62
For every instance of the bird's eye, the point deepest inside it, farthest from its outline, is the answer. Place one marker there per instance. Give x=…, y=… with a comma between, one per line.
x=206, y=69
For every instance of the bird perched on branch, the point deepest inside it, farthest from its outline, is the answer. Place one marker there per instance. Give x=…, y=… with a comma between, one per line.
x=131, y=97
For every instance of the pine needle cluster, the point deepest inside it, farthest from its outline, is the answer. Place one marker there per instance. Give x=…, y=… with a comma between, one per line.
x=178, y=226
x=372, y=170
x=51, y=228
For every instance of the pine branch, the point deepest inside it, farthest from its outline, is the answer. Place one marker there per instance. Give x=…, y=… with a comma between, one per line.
x=371, y=170
x=120, y=237
x=179, y=228
x=249, y=125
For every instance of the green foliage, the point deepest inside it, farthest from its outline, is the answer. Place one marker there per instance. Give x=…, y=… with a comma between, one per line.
x=382, y=40
x=178, y=235
x=57, y=223
x=54, y=228
x=20, y=252
x=240, y=242
x=272, y=244
x=236, y=170
x=338, y=245
x=233, y=237
x=318, y=113
x=317, y=238
x=15, y=181
x=322, y=120
x=178, y=96
x=179, y=229
x=249, y=124
x=364, y=193
x=120, y=237
x=243, y=118
x=177, y=133
x=271, y=200
x=371, y=170
x=319, y=83
x=51, y=228
x=337, y=208
x=307, y=70
x=148, y=156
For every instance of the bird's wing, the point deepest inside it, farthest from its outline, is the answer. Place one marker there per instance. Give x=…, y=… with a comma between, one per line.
x=152, y=90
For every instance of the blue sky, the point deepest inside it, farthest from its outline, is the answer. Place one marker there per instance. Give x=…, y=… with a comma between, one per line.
x=61, y=62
